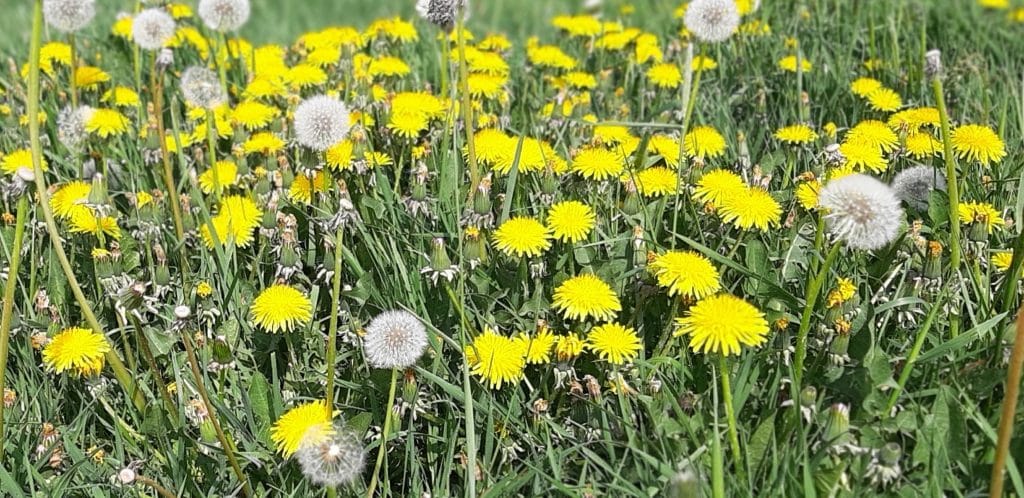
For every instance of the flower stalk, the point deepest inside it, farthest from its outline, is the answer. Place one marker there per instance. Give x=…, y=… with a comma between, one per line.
x=384, y=433
x=8, y=306
x=1013, y=375
x=810, y=300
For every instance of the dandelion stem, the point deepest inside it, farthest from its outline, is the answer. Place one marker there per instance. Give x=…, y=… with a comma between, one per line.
x=120, y=372
x=8, y=307
x=1013, y=375
x=691, y=84
x=717, y=464
x=226, y=445
x=382, y=450
x=467, y=110
x=74, y=71
x=467, y=390
x=211, y=142
x=953, y=184
x=730, y=416
x=922, y=333
x=332, y=339
x=147, y=353
x=172, y=189
x=160, y=490
x=810, y=299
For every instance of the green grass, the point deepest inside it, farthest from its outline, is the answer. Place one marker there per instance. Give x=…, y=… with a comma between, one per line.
x=538, y=437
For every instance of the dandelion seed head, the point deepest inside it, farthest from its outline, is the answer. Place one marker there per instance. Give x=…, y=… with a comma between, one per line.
x=332, y=461
x=201, y=88
x=442, y=13
x=71, y=129
x=69, y=15
x=394, y=339
x=712, y=20
x=914, y=185
x=862, y=211
x=152, y=28
x=321, y=122
x=224, y=15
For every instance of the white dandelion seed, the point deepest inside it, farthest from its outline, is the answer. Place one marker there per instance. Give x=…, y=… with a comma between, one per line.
x=69, y=16
x=152, y=28
x=71, y=126
x=202, y=88
x=712, y=20
x=915, y=185
x=332, y=461
x=321, y=122
x=224, y=15
x=862, y=211
x=394, y=339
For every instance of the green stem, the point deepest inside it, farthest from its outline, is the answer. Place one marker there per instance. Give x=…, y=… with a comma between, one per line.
x=467, y=110
x=383, y=448
x=1013, y=375
x=74, y=68
x=922, y=333
x=953, y=185
x=730, y=416
x=689, y=102
x=211, y=143
x=147, y=353
x=8, y=307
x=120, y=372
x=810, y=299
x=160, y=490
x=717, y=461
x=332, y=339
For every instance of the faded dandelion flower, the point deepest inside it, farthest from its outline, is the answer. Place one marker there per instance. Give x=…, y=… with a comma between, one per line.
x=332, y=461
x=394, y=339
x=712, y=20
x=224, y=15
x=201, y=88
x=321, y=122
x=933, y=63
x=915, y=185
x=442, y=13
x=862, y=211
x=71, y=126
x=69, y=15
x=152, y=28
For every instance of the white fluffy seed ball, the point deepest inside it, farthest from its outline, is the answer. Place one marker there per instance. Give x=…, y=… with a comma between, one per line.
x=201, y=88
x=321, y=122
x=712, y=20
x=862, y=211
x=394, y=339
x=332, y=461
x=69, y=15
x=224, y=15
x=914, y=185
x=152, y=28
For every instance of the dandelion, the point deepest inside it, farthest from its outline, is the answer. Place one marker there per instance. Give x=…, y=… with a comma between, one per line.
x=442, y=13
x=981, y=213
x=305, y=424
x=521, y=236
x=394, y=339
x=321, y=122
x=755, y=208
x=224, y=15
x=922, y=145
x=718, y=185
x=685, y=273
x=712, y=20
x=152, y=28
x=656, y=181
x=665, y=75
x=723, y=324
x=862, y=211
x=281, y=308
x=538, y=346
x=796, y=134
x=862, y=87
x=571, y=221
x=915, y=185
x=202, y=88
x=496, y=359
x=586, y=296
x=70, y=198
x=978, y=143
x=788, y=63
x=614, y=343
x=568, y=347
x=71, y=130
x=78, y=350
x=704, y=142
x=884, y=99
x=597, y=163
x=69, y=15
x=875, y=133
x=807, y=194
x=106, y=123
x=236, y=220
x=862, y=156
x=332, y=460
x=226, y=173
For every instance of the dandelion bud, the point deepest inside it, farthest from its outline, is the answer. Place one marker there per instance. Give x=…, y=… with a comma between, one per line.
x=933, y=260
x=222, y=352
x=482, y=204
x=224, y=15
x=10, y=397
x=69, y=15
x=152, y=28
x=633, y=204
x=712, y=20
x=98, y=191
x=164, y=58
x=549, y=184
x=321, y=122
x=394, y=339
x=202, y=88
x=914, y=185
x=162, y=275
x=933, y=63
x=837, y=434
x=808, y=397
x=862, y=211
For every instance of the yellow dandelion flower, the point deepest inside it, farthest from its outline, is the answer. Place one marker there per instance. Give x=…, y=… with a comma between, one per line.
x=281, y=308
x=982, y=213
x=304, y=76
x=586, y=296
x=143, y=199
x=568, y=347
x=253, y=115
x=537, y=347
x=788, y=63
x=884, y=100
x=550, y=56
x=862, y=87
x=754, y=209
x=807, y=194
x=665, y=75
x=388, y=66
x=121, y=96
x=265, y=143
x=496, y=359
x=597, y=163
x=235, y=221
x=339, y=156
x=204, y=289
x=656, y=181
x=227, y=174
x=87, y=77
x=863, y=156
x=843, y=292
x=408, y=125
x=571, y=221
x=522, y=236
x=86, y=221
x=106, y=123
x=308, y=423
x=1002, y=260
x=21, y=158
x=581, y=80
x=717, y=185
x=978, y=143
x=723, y=324
x=304, y=188
x=76, y=349
x=912, y=120
x=704, y=142
x=922, y=145
x=488, y=86
x=796, y=134
x=702, y=63
x=614, y=343
x=685, y=273
x=875, y=133
x=69, y=198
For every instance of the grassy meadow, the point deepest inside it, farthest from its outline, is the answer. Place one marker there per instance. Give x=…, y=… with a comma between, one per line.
x=628, y=248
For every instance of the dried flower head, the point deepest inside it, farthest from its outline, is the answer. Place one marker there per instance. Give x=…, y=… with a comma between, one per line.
x=442, y=13
x=332, y=461
x=933, y=63
x=321, y=122
x=201, y=88
x=862, y=211
x=152, y=28
x=712, y=20
x=224, y=15
x=394, y=339
x=914, y=185
x=69, y=15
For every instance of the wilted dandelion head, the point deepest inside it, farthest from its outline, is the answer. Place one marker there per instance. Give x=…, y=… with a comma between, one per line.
x=201, y=88
x=712, y=20
x=442, y=13
x=68, y=15
x=394, y=339
x=862, y=211
x=152, y=28
x=321, y=122
x=333, y=460
x=915, y=185
x=224, y=15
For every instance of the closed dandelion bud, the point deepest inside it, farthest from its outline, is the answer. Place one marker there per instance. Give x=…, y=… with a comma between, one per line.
x=977, y=232
x=890, y=454
x=269, y=219
x=841, y=342
x=933, y=63
x=933, y=260
x=222, y=352
x=684, y=484
x=243, y=166
x=419, y=192
x=482, y=204
x=98, y=192
x=838, y=431
x=162, y=275
x=207, y=433
x=410, y=389
x=475, y=250
x=262, y=186
x=287, y=177
x=808, y=397
x=438, y=255
x=289, y=257
x=633, y=204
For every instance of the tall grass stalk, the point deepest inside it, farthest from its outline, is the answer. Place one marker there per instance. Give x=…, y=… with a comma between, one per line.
x=8, y=306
